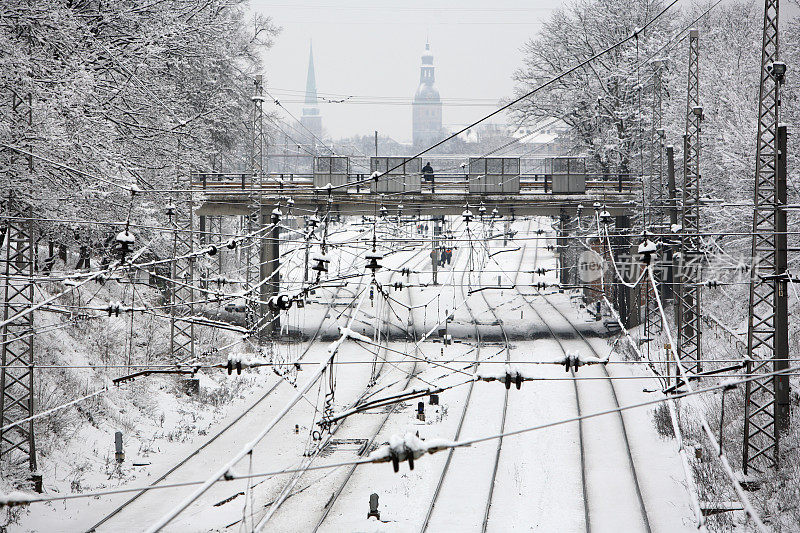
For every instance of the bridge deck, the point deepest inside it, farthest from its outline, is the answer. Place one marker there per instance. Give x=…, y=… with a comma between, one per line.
x=231, y=194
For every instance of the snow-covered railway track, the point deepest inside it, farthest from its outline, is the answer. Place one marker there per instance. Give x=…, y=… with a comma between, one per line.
x=599, y=428
x=495, y=456
x=609, y=488
x=504, y=413
x=376, y=432
x=241, y=420
x=608, y=474
x=464, y=408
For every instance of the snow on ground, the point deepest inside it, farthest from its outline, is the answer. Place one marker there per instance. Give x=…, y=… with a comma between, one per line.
x=539, y=481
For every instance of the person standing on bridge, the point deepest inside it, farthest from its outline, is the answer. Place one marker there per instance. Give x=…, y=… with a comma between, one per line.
x=427, y=174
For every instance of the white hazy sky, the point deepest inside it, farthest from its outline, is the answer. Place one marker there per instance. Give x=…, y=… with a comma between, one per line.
x=372, y=48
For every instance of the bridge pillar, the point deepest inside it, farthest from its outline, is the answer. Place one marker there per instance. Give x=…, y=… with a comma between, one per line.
x=562, y=243
x=436, y=231
x=625, y=296
x=669, y=281
x=269, y=263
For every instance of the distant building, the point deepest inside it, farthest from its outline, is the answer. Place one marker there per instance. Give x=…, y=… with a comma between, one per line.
x=427, y=107
x=311, y=118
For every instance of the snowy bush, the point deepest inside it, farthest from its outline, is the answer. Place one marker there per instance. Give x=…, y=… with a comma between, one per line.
x=662, y=421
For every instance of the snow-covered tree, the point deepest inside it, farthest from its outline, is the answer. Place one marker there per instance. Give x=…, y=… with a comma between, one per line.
x=130, y=92
x=601, y=102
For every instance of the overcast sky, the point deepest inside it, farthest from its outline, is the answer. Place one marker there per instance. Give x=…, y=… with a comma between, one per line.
x=372, y=48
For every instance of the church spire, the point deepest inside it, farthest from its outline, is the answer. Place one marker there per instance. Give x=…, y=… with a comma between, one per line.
x=311, y=81
x=311, y=118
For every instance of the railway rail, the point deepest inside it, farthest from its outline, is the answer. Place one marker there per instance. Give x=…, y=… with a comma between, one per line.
x=232, y=425
x=562, y=343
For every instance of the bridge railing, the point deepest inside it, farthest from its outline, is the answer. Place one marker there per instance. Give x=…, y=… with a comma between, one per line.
x=442, y=184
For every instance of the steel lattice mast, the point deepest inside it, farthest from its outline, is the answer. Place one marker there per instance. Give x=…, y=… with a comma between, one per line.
x=16, y=375
x=182, y=279
x=252, y=250
x=766, y=401
x=689, y=294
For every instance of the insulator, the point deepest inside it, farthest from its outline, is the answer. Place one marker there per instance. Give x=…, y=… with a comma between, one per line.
x=646, y=249
x=321, y=264
x=125, y=239
x=284, y=302
x=372, y=263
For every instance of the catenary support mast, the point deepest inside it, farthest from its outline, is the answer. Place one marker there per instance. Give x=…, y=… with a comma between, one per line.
x=689, y=271
x=766, y=401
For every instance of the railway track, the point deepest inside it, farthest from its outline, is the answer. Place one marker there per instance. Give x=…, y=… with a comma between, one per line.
x=351, y=470
x=496, y=456
x=462, y=417
x=228, y=427
x=288, y=489
x=329, y=505
x=589, y=509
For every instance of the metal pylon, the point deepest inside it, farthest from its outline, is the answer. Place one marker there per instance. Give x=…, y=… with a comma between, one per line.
x=16, y=375
x=181, y=281
x=17, y=444
x=689, y=294
x=764, y=418
x=253, y=246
